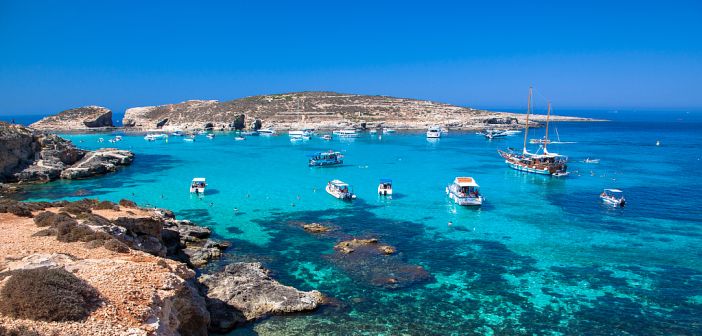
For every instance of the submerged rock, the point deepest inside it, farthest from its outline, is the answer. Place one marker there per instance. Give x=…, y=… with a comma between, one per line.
x=316, y=228
x=244, y=291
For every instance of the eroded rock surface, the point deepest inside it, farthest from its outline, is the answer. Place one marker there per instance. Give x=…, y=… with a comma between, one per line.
x=244, y=291
x=30, y=156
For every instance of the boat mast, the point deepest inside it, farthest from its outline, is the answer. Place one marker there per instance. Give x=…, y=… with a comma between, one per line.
x=526, y=131
x=548, y=116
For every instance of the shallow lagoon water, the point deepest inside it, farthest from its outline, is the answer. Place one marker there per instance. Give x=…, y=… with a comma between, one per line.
x=542, y=256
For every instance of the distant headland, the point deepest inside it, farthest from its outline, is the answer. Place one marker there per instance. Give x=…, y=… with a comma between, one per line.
x=312, y=109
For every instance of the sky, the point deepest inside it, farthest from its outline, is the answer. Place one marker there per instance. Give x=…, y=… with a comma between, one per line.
x=587, y=54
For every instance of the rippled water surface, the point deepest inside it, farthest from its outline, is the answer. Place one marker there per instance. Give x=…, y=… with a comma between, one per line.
x=542, y=256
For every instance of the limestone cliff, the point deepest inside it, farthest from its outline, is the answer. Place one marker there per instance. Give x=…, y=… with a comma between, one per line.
x=81, y=118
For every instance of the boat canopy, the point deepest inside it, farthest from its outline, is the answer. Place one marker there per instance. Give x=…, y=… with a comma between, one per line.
x=614, y=191
x=199, y=179
x=339, y=183
x=385, y=181
x=465, y=182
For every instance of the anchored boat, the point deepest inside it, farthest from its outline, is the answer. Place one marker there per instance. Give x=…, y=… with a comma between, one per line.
x=544, y=163
x=340, y=190
x=346, y=133
x=613, y=197
x=197, y=186
x=385, y=187
x=464, y=191
x=322, y=159
x=433, y=133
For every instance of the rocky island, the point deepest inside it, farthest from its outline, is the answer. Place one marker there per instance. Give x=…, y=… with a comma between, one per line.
x=78, y=119
x=27, y=155
x=320, y=110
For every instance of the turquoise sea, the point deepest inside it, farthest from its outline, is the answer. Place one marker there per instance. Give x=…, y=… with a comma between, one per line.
x=542, y=256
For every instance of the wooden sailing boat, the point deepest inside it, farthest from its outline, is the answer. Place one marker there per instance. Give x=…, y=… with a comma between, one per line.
x=545, y=163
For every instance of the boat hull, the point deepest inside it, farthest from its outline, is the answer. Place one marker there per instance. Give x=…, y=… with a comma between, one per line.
x=464, y=201
x=340, y=195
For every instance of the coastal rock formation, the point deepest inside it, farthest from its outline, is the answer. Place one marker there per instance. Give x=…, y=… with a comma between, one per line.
x=321, y=110
x=141, y=294
x=316, y=228
x=349, y=246
x=81, y=118
x=244, y=292
x=30, y=156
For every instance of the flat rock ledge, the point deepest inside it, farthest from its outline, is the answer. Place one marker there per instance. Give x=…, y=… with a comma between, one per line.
x=81, y=118
x=243, y=292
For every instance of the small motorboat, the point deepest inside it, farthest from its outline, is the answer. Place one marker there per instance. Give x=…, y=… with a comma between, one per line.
x=434, y=133
x=266, y=131
x=388, y=130
x=210, y=136
x=322, y=159
x=327, y=137
x=464, y=191
x=340, y=190
x=589, y=160
x=239, y=138
x=613, y=197
x=155, y=136
x=346, y=133
x=118, y=138
x=197, y=186
x=189, y=139
x=202, y=132
x=101, y=140
x=177, y=133
x=385, y=187
x=252, y=133
x=373, y=131
x=493, y=134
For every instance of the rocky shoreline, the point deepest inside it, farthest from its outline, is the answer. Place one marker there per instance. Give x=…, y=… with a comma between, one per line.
x=142, y=263
x=27, y=155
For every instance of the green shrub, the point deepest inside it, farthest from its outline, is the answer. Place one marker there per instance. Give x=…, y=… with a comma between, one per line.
x=115, y=245
x=106, y=205
x=127, y=203
x=47, y=295
x=69, y=233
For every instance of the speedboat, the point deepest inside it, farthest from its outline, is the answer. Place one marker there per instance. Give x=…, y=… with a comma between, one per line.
x=492, y=134
x=266, y=131
x=327, y=137
x=202, y=132
x=388, y=130
x=373, y=131
x=340, y=190
x=330, y=158
x=464, y=191
x=177, y=133
x=301, y=134
x=118, y=138
x=197, y=186
x=346, y=133
x=385, y=187
x=434, y=133
x=189, y=139
x=155, y=136
x=589, y=160
x=210, y=136
x=613, y=197
x=239, y=138
x=254, y=133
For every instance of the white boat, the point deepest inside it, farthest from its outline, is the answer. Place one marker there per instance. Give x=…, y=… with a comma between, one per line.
x=266, y=131
x=101, y=140
x=433, y=133
x=202, y=132
x=210, y=136
x=388, y=130
x=346, y=133
x=327, y=137
x=613, y=197
x=340, y=190
x=444, y=130
x=492, y=134
x=189, y=139
x=385, y=187
x=118, y=138
x=464, y=191
x=589, y=160
x=301, y=134
x=198, y=185
x=155, y=136
x=373, y=131
x=512, y=132
x=177, y=133
x=252, y=133
x=239, y=138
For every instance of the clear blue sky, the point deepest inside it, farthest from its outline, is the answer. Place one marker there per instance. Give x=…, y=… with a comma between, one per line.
x=590, y=54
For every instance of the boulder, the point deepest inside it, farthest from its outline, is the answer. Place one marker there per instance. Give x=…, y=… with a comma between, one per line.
x=315, y=228
x=244, y=292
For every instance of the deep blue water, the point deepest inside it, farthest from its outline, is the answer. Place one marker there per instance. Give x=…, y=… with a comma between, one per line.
x=542, y=256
